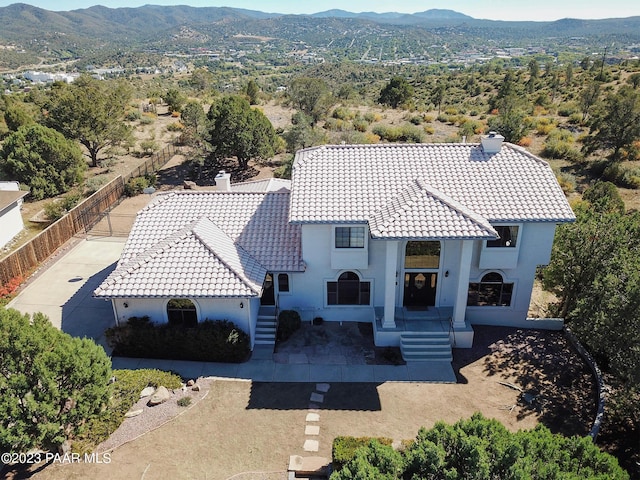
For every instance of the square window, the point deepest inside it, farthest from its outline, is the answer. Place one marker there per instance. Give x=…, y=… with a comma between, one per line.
x=349, y=237
x=508, y=237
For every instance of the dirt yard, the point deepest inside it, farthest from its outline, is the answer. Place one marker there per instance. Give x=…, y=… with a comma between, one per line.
x=241, y=426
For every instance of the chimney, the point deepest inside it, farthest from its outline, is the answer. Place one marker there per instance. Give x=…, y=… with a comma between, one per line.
x=492, y=143
x=223, y=181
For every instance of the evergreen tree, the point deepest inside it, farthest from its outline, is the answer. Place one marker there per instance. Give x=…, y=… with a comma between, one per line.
x=50, y=382
x=237, y=130
x=43, y=159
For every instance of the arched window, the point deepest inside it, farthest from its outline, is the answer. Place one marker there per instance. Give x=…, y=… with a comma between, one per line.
x=348, y=290
x=422, y=255
x=182, y=312
x=491, y=291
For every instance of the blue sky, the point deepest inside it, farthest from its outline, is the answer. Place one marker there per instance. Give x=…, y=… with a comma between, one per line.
x=492, y=9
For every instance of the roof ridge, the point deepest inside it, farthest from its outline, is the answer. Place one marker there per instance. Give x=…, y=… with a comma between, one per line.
x=457, y=206
x=204, y=222
x=415, y=193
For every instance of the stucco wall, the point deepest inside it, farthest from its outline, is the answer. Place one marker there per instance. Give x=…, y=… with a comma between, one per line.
x=10, y=224
x=207, y=308
x=535, y=243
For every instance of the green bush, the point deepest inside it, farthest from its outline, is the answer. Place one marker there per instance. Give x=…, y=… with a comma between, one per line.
x=622, y=176
x=288, y=323
x=135, y=186
x=480, y=448
x=58, y=208
x=208, y=341
x=184, y=401
x=344, y=449
x=406, y=133
x=559, y=144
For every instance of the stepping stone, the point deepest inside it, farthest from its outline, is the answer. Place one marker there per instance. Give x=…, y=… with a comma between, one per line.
x=295, y=463
x=312, y=430
x=311, y=446
x=317, y=397
x=312, y=417
x=314, y=407
x=323, y=387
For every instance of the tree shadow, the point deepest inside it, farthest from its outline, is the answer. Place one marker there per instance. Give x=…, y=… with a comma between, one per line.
x=298, y=396
x=555, y=383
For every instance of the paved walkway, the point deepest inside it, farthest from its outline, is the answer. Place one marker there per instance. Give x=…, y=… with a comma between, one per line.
x=270, y=371
x=64, y=291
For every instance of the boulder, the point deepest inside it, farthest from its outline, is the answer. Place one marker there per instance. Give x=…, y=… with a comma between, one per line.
x=195, y=388
x=147, y=392
x=161, y=395
x=190, y=383
x=133, y=413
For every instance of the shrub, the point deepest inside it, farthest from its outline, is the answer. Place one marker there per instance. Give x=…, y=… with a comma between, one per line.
x=343, y=113
x=360, y=125
x=568, y=109
x=559, y=144
x=622, y=176
x=344, y=449
x=372, y=117
x=93, y=184
x=288, y=323
x=209, y=341
x=146, y=119
x=59, y=208
x=133, y=115
x=184, y=401
x=175, y=127
x=135, y=186
x=8, y=289
x=567, y=182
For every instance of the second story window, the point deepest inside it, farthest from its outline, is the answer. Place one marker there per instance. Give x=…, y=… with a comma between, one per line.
x=349, y=237
x=508, y=237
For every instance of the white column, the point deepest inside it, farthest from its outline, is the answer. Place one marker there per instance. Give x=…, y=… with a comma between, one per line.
x=462, y=291
x=390, y=278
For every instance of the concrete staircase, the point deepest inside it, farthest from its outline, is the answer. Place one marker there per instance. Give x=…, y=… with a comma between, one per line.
x=426, y=346
x=266, y=326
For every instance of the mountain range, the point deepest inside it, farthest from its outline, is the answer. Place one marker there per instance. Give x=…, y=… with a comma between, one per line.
x=74, y=34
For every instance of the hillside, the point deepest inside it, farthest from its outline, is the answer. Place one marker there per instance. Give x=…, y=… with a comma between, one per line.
x=30, y=33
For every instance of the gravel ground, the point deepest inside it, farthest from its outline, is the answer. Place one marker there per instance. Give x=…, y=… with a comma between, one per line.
x=154, y=417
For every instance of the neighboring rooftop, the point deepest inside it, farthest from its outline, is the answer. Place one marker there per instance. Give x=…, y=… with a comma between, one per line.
x=355, y=183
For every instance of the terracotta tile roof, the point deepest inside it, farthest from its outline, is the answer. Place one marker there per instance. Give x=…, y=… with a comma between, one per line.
x=206, y=243
x=354, y=183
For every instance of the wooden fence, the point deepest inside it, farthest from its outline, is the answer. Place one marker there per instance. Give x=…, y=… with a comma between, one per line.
x=79, y=220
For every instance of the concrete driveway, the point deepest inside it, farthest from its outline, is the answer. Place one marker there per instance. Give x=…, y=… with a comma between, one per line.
x=64, y=290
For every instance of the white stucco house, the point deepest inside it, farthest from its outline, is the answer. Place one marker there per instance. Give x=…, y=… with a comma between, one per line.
x=11, y=199
x=421, y=240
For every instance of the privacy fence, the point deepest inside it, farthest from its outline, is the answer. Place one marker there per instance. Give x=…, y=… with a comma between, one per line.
x=79, y=220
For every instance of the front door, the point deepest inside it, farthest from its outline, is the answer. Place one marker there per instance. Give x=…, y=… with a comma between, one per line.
x=420, y=289
x=268, y=291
